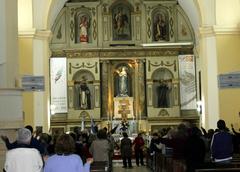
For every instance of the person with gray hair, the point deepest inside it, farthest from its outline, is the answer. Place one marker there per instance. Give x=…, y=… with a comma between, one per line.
x=24, y=136
x=34, y=143
x=24, y=158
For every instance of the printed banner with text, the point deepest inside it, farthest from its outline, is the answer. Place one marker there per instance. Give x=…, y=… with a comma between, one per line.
x=58, y=85
x=187, y=82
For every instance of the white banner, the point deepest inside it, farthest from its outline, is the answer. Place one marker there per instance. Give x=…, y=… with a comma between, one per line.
x=58, y=85
x=187, y=82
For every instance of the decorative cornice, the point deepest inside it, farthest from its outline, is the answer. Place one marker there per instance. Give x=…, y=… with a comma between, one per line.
x=33, y=33
x=206, y=31
x=27, y=33
x=223, y=30
x=43, y=34
x=121, y=53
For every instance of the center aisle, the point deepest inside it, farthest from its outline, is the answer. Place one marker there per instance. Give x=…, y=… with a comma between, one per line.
x=134, y=169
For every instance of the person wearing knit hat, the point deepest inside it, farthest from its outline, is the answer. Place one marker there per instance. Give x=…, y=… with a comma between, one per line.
x=24, y=136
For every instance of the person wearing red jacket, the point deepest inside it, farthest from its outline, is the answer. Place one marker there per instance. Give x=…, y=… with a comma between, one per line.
x=138, y=148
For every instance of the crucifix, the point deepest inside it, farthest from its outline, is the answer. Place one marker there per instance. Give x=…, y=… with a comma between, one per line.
x=124, y=109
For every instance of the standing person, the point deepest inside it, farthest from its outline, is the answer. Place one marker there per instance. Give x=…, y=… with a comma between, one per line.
x=65, y=159
x=221, y=145
x=34, y=143
x=100, y=147
x=194, y=150
x=138, y=148
x=23, y=158
x=126, y=151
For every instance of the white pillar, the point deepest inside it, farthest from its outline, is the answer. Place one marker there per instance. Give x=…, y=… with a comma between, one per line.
x=41, y=68
x=210, y=95
x=8, y=44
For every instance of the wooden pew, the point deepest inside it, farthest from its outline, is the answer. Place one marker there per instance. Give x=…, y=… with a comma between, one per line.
x=217, y=170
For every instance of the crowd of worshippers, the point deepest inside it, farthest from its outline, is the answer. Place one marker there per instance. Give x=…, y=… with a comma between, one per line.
x=78, y=150
x=197, y=147
x=73, y=152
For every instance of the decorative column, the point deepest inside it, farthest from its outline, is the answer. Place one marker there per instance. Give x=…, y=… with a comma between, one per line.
x=141, y=87
x=104, y=91
x=136, y=92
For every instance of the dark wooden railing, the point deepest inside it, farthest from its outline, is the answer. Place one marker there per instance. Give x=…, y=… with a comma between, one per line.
x=162, y=163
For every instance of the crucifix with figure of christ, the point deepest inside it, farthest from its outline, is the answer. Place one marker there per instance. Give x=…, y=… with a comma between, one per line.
x=124, y=109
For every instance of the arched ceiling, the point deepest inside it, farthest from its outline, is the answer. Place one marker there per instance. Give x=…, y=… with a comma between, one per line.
x=54, y=10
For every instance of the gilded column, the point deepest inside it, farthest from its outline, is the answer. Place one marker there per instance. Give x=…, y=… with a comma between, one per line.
x=136, y=92
x=104, y=91
x=141, y=87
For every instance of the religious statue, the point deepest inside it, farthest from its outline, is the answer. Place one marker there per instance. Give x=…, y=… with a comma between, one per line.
x=123, y=82
x=163, y=91
x=124, y=126
x=84, y=97
x=83, y=26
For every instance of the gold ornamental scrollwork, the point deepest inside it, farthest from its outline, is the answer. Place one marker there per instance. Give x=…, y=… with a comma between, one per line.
x=163, y=113
x=85, y=54
x=83, y=65
x=94, y=29
x=162, y=63
x=58, y=53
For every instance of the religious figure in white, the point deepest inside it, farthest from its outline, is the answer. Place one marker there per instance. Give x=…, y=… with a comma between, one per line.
x=123, y=82
x=84, y=97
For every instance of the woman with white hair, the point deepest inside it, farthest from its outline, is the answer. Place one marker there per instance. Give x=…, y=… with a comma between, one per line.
x=23, y=158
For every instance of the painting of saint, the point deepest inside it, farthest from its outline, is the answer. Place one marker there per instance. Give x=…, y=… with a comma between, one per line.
x=121, y=23
x=160, y=27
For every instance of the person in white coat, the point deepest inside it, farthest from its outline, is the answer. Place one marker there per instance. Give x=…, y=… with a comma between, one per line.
x=23, y=158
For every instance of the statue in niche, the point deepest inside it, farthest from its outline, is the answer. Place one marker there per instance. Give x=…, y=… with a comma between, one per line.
x=123, y=82
x=163, y=91
x=83, y=28
x=84, y=95
x=159, y=27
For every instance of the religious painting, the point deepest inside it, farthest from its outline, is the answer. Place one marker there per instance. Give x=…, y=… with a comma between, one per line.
x=82, y=28
x=160, y=26
x=121, y=20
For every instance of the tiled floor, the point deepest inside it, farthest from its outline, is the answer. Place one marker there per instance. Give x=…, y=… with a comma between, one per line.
x=117, y=167
x=134, y=169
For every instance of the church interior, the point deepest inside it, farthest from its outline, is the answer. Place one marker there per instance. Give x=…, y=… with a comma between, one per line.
x=137, y=65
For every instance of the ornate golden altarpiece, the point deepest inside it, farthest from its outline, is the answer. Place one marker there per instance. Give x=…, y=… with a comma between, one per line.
x=98, y=38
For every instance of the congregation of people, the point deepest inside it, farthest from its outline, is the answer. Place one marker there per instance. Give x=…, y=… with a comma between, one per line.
x=196, y=148
x=79, y=150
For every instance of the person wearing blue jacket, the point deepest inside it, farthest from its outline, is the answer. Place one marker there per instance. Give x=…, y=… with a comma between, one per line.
x=222, y=145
